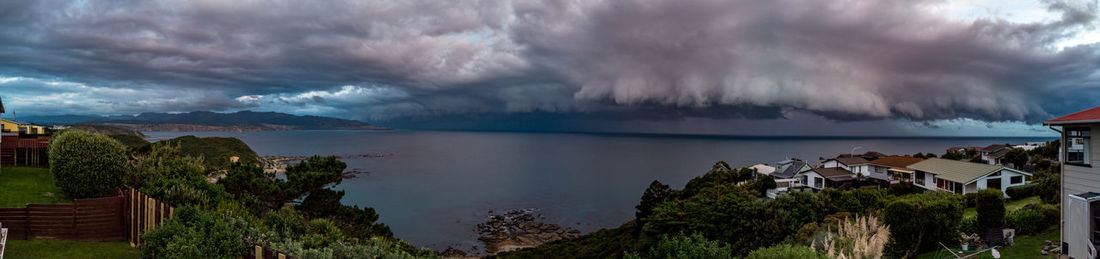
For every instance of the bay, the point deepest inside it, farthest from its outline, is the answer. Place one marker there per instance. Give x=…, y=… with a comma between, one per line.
x=433, y=187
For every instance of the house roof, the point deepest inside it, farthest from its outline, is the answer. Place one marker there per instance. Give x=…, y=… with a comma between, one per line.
x=994, y=147
x=792, y=168
x=896, y=161
x=958, y=171
x=854, y=160
x=763, y=169
x=1086, y=116
x=999, y=153
x=833, y=172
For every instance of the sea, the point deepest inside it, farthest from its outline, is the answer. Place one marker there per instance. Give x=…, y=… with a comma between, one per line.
x=433, y=187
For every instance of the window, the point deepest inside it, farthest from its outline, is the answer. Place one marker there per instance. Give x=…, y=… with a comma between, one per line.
x=1017, y=179
x=1077, y=146
x=993, y=183
x=819, y=182
x=920, y=178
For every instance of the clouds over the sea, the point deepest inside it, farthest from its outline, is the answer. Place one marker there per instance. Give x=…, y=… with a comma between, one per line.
x=646, y=59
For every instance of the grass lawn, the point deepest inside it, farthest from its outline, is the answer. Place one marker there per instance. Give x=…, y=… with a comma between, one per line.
x=1009, y=206
x=52, y=248
x=1026, y=246
x=22, y=185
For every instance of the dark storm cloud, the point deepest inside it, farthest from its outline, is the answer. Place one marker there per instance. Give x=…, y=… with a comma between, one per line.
x=644, y=59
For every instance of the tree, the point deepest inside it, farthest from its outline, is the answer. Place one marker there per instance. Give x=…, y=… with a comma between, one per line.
x=86, y=165
x=1017, y=157
x=918, y=155
x=940, y=214
x=686, y=247
x=654, y=195
x=991, y=209
x=953, y=155
x=930, y=155
x=164, y=161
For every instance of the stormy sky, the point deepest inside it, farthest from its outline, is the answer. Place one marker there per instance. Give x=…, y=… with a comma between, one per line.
x=792, y=67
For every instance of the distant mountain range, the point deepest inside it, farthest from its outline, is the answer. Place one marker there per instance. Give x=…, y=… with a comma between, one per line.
x=209, y=121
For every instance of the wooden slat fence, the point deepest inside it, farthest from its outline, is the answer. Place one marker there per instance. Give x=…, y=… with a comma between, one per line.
x=143, y=213
x=98, y=219
x=259, y=251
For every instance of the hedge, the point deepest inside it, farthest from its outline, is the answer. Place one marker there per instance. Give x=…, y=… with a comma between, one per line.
x=86, y=165
x=1022, y=191
x=991, y=209
x=1033, y=219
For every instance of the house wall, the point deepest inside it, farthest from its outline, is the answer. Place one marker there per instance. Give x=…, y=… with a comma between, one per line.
x=811, y=179
x=970, y=188
x=861, y=170
x=835, y=164
x=1079, y=179
x=1006, y=181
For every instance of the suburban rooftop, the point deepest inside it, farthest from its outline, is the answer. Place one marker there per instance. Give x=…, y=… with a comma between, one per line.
x=957, y=171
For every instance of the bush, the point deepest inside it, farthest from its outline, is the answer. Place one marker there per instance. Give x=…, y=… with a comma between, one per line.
x=1022, y=191
x=1033, y=219
x=86, y=165
x=786, y=251
x=918, y=221
x=194, y=234
x=969, y=225
x=970, y=200
x=687, y=247
x=164, y=162
x=991, y=209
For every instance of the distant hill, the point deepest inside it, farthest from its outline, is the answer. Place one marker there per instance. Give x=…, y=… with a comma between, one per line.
x=106, y=130
x=213, y=121
x=215, y=151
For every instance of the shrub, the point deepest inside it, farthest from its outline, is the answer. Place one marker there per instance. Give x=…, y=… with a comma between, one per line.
x=970, y=199
x=1033, y=219
x=1022, y=191
x=687, y=247
x=194, y=234
x=991, y=209
x=862, y=237
x=86, y=165
x=938, y=221
x=786, y=251
x=164, y=161
x=969, y=225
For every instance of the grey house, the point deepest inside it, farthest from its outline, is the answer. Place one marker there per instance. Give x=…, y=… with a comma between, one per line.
x=1080, y=182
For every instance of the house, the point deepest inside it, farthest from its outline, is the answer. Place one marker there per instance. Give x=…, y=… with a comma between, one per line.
x=800, y=171
x=845, y=162
x=964, y=177
x=1080, y=182
x=836, y=177
x=892, y=168
x=992, y=154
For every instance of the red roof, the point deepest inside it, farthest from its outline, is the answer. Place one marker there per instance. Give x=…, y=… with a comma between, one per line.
x=1090, y=115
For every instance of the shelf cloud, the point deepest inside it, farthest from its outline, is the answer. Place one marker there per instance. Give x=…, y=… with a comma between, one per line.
x=849, y=60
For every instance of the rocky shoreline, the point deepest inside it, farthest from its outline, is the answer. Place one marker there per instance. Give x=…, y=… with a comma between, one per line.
x=517, y=229
x=278, y=164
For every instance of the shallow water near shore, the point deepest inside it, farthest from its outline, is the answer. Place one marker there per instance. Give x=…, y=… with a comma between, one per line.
x=433, y=188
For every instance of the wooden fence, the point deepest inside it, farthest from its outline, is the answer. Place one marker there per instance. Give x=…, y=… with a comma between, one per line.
x=259, y=251
x=98, y=219
x=143, y=213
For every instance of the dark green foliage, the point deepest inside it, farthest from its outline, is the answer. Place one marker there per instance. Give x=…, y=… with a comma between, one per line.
x=605, y=243
x=134, y=144
x=763, y=184
x=1017, y=157
x=1022, y=191
x=1050, y=186
x=786, y=251
x=1048, y=151
x=357, y=222
x=215, y=151
x=930, y=155
x=918, y=155
x=164, y=162
x=85, y=165
x=686, y=247
x=969, y=225
x=970, y=199
x=654, y=195
x=901, y=188
x=194, y=234
x=857, y=201
x=193, y=191
x=954, y=155
x=979, y=160
x=918, y=221
x=991, y=208
x=1033, y=219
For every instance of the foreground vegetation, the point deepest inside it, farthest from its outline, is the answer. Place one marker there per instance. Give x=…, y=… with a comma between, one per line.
x=300, y=215
x=22, y=185
x=53, y=248
x=724, y=211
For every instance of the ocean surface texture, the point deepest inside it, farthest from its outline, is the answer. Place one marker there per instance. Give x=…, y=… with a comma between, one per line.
x=432, y=188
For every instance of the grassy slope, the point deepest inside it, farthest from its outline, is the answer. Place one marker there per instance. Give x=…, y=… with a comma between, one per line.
x=215, y=150
x=1009, y=206
x=22, y=185
x=1026, y=246
x=51, y=248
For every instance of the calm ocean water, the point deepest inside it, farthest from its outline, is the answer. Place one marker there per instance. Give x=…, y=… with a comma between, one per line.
x=436, y=186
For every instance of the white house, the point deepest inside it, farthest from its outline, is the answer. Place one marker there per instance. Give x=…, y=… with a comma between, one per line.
x=892, y=168
x=964, y=177
x=992, y=154
x=854, y=164
x=1080, y=182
